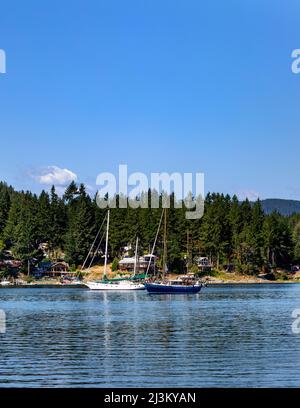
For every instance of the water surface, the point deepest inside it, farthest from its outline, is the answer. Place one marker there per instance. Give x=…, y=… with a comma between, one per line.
x=226, y=336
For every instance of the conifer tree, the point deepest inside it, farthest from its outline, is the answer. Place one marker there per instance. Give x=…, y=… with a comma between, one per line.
x=277, y=240
x=81, y=227
x=58, y=222
x=22, y=229
x=4, y=207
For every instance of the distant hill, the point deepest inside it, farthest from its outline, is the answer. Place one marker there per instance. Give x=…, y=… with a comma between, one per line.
x=284, y=207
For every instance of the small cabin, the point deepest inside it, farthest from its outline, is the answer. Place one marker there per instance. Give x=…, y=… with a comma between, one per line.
x=204, y=264
x=127, y=264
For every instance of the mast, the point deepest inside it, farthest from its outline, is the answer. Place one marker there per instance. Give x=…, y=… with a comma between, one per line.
x=165, y=243
x=187, y=251
x=135, y=256
x=106, y=245
x=153, y=247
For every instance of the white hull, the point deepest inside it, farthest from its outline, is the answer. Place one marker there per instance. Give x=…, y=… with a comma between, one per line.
x=5, y=283
x=118, y=285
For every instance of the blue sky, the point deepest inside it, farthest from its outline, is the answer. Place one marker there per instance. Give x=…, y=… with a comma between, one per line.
x=187, y=86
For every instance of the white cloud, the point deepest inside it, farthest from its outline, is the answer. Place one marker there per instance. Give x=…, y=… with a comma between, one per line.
x=250, y=194
x=55, y=175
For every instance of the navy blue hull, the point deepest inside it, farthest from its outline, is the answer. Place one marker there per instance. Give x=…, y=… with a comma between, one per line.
x=158, y=288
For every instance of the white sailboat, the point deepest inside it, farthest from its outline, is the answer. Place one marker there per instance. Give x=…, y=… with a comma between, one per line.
x=114, y=284
x=5, y=282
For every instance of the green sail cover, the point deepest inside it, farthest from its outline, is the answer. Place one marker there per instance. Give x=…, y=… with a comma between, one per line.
x=141, y=276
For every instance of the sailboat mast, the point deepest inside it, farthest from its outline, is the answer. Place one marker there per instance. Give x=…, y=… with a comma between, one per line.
x=165, y=243
x=136, y=254
x=187, y=250
x=106, y=245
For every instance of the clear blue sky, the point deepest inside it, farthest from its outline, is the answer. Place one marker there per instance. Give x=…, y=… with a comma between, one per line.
x=160, y=85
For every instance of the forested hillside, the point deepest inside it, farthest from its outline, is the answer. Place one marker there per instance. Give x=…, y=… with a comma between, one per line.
x=229, y=233
x=284, y=207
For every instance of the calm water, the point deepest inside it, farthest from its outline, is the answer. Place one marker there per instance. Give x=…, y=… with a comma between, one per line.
x=238, y=336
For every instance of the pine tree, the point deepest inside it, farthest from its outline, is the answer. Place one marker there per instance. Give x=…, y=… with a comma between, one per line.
x=44, y=217
x=5, y=201
x=81, y=227
x=277, y=237
x=58, y=222
x=236, y=226
x=296, y=240
x=256, y=236
x=215, y=229
x=22, y=229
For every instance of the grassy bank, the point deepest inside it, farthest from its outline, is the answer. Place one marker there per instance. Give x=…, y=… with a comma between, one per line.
x=234, y=277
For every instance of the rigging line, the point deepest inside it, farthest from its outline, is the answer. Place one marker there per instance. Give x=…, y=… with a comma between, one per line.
x=106, y=244
x=93, y=244
x=153, y=247
x=136, y=255
x=97, y=249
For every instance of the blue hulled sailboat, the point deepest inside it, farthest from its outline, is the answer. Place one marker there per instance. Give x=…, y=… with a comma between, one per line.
x=176, y=287
x=179, y=286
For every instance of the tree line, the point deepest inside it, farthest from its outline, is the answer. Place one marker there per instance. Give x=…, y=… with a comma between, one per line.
x=230, y=232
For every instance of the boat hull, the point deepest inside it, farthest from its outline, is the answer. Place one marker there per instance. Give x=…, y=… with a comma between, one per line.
x=5, y=283
x=116, y=286
x=157, y=288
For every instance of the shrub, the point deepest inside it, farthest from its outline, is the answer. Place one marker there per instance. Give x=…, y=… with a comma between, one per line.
x=115, y=265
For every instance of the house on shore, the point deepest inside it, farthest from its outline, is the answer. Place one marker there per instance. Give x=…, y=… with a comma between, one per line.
x=58, y=269
x=204, y=264
x=127, y=264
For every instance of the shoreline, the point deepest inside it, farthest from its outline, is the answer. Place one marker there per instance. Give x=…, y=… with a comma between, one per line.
x=236, y=282
x=216, y=282
x=221, y=278
x=43, y=285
